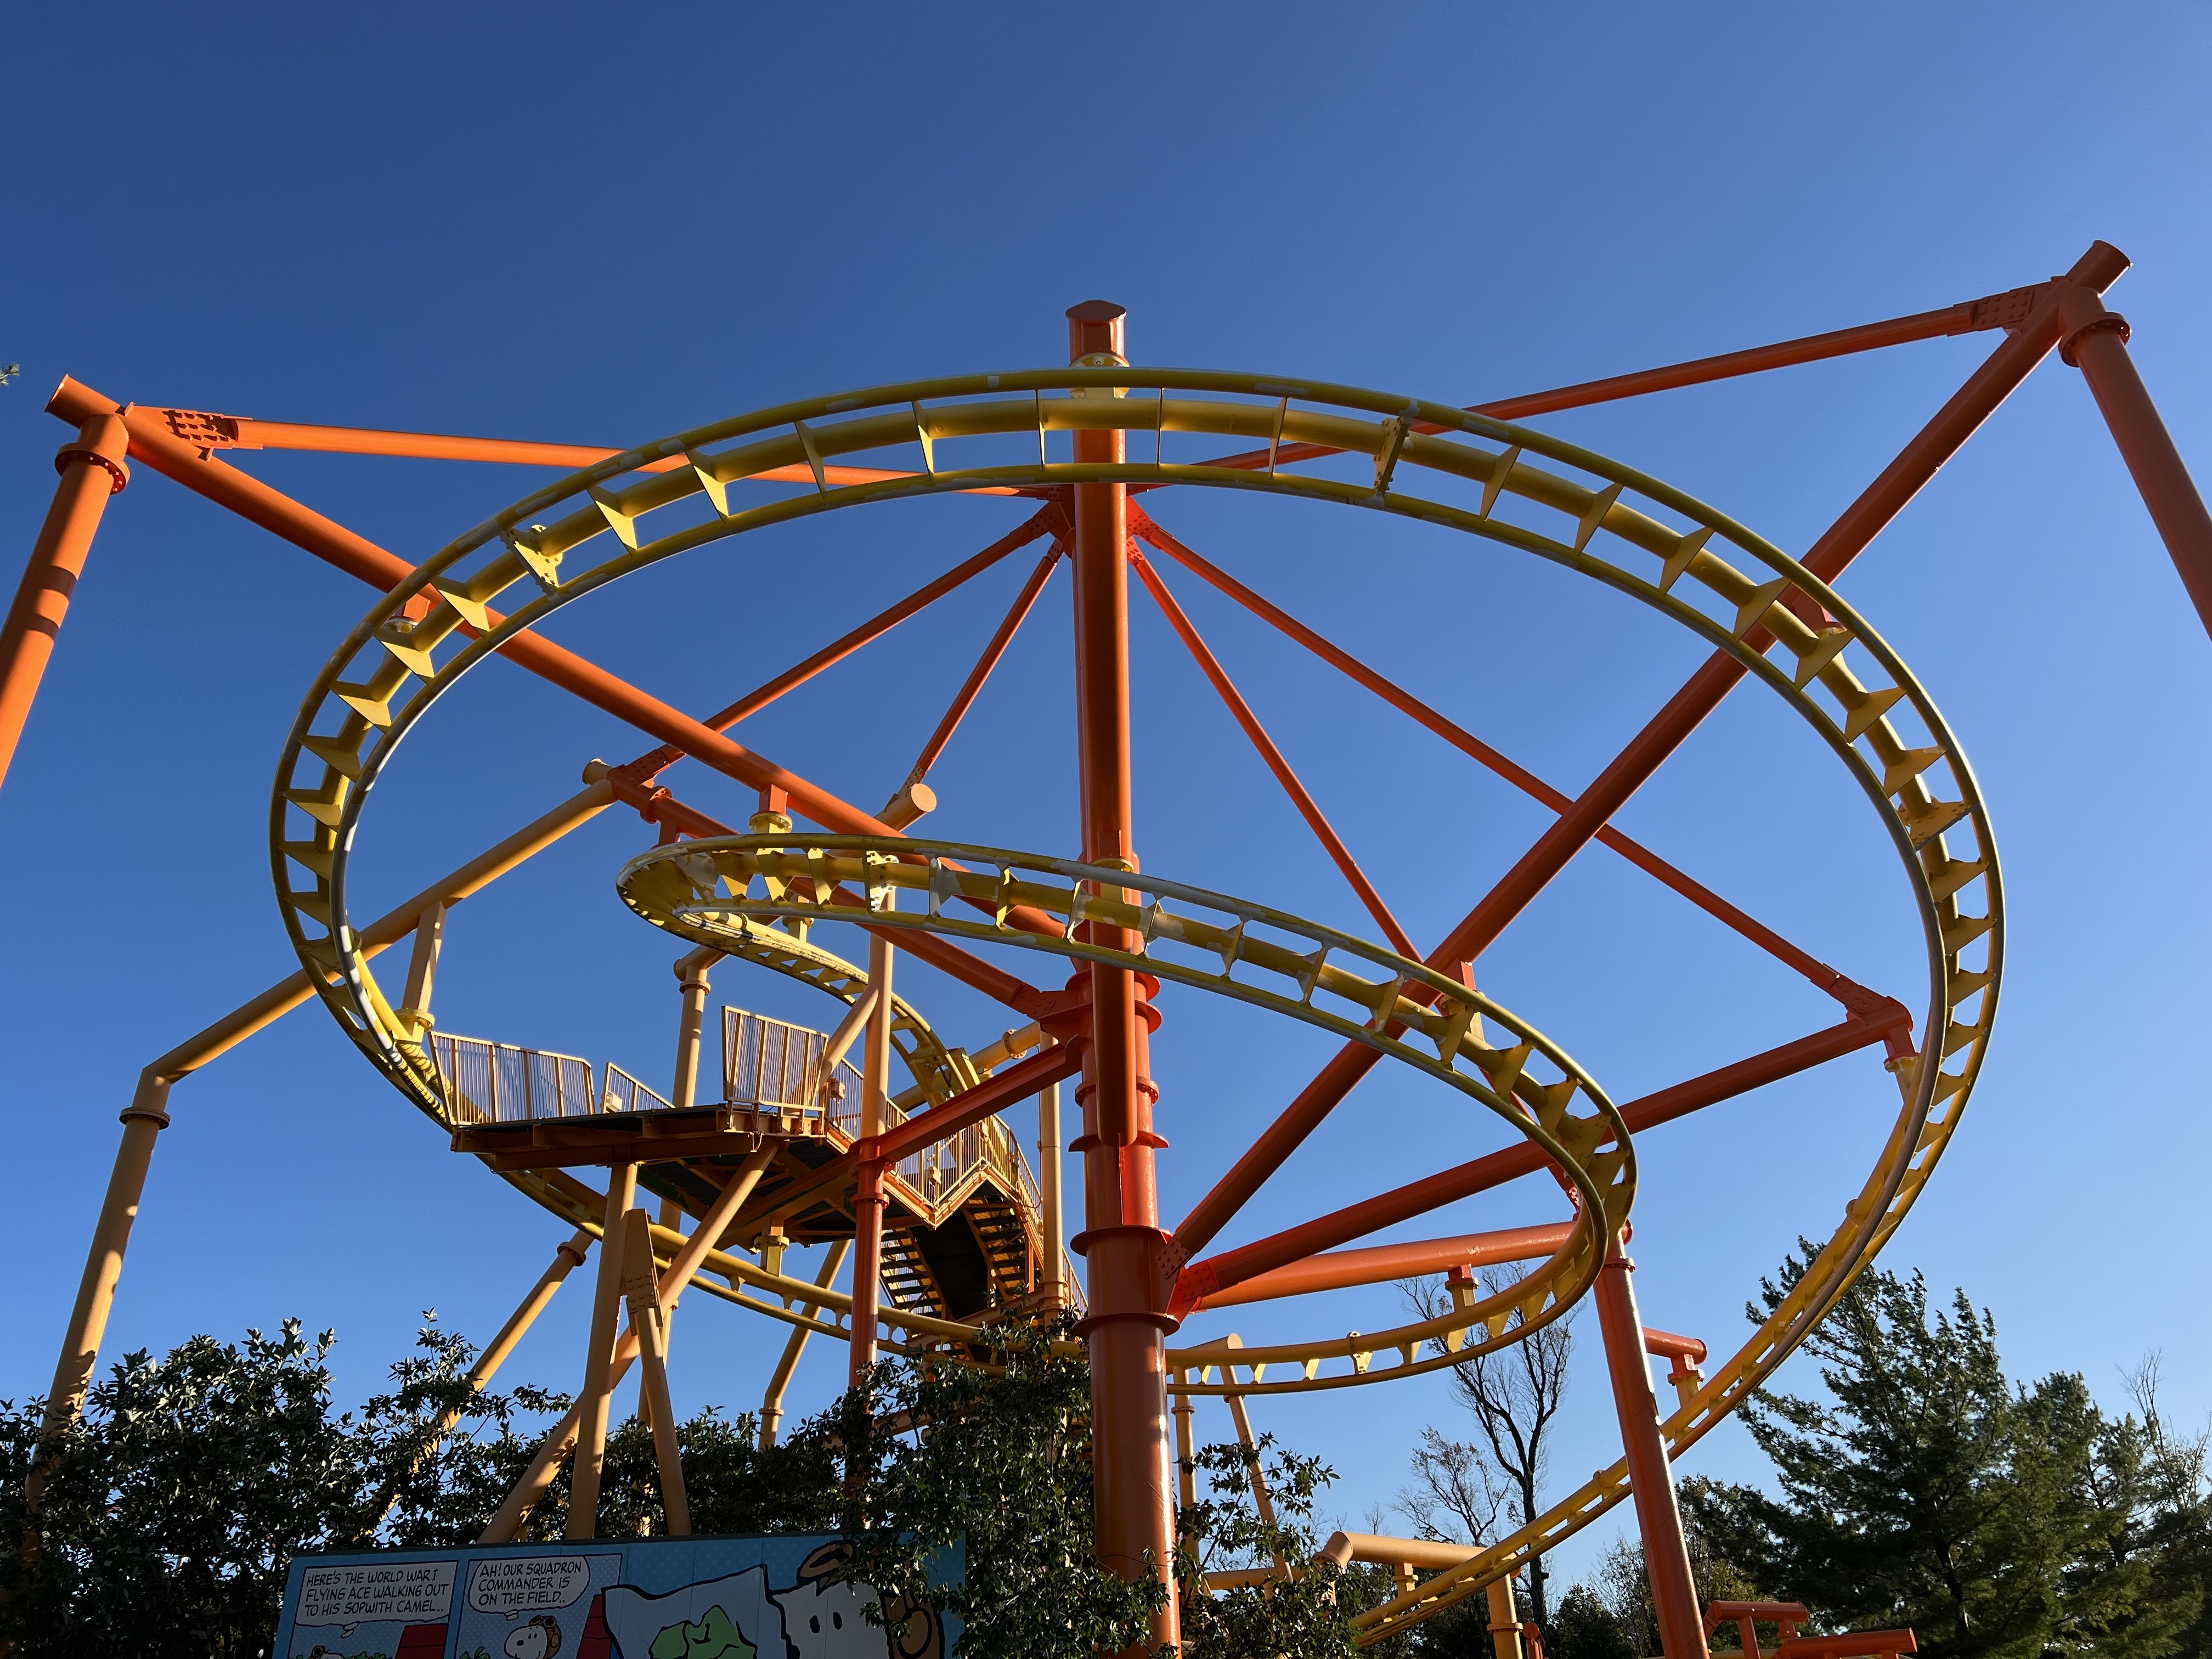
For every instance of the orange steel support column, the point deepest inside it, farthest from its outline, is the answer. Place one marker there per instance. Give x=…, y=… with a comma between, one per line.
x=1666, y=1556
x=867, y=1267
x=2096, y=343
x=92, y=468
x=868, y=1187
x=1121, y=1242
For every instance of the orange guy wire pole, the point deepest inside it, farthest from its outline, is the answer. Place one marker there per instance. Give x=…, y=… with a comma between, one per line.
x=2004, y=310
x=93, y=467
x=1309, y=809
x=152, y=442
x=1046, y=519
x=1881, y=502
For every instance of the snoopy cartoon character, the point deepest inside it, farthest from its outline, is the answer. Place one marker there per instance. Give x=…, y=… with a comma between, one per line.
x=538, y=1639
x=825, y=1615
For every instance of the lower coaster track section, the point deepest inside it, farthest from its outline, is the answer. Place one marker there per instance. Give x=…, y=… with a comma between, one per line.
x=704, y=890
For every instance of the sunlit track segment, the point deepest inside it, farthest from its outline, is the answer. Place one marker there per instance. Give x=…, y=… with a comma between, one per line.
x=706, y=890
x=1513, y=487
x=790, y=952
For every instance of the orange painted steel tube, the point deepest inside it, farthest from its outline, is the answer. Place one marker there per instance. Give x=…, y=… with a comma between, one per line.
x=385, y=930
x=1380, y=1549
x=2096, y=343
x=1452, y=732
x=1855, y=1645
x=152, y=442
x=335, y=544
x=1240, y=712
x=1045, y=521
x=1969, y=316
x=1880, y=502
x=143, y=1120
x=1652, y=1481
x=1126, y=1326
x=147, y=1115
x=93, y=467
x=243, y=432
x=867, y=1269
x=1667, y=1346
x=1204, y=1279
x=1340, y=1269
x=995, y=648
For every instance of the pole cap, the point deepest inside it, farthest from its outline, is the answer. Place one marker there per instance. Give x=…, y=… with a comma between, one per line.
x=1094, y=326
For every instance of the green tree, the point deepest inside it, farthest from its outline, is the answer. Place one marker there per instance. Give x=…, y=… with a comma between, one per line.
x=169, y=1514
x=171, y=1510
x=996, y=1458
x=2177, y=1529
x=1926, y=1490
x=1307, y=1612
x=1584, y=1628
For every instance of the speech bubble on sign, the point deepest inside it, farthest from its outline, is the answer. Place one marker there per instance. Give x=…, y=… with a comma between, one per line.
x=367, y=1591
x=529, y=1583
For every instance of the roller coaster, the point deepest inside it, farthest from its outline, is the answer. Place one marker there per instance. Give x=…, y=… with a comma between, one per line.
x=923, y=1186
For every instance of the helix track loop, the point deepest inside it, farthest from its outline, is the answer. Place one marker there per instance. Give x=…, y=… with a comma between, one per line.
x=709, y=890
x=1424, y=462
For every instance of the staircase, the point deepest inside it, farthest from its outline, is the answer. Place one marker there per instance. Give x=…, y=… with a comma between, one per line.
x=963, y=1235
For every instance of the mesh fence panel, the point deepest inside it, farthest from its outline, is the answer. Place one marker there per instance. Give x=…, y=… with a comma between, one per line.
x=772, y=1062
x=501, y=1083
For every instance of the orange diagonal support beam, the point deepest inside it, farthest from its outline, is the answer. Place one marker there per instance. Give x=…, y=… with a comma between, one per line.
x=2006, y=311
x=1309, y=809
x=995, y=648
x=1879, y=503
x=152, y=442
x=1338, y=1270
x=1202, y=1281
x=207, y=433
x=1512, y=771
x=1048, y=519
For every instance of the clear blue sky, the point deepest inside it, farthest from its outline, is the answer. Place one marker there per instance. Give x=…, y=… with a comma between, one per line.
x=554, y=224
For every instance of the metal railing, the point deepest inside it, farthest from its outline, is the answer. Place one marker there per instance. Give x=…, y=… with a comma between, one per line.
x=765, y=1062
x=772, y=1062
x=623, y=1093
x=488, y=1082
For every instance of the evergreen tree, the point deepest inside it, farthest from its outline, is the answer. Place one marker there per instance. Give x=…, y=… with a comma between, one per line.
x=1928, y=1491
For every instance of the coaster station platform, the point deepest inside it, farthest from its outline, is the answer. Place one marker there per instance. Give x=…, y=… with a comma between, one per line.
x=924, y=1186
